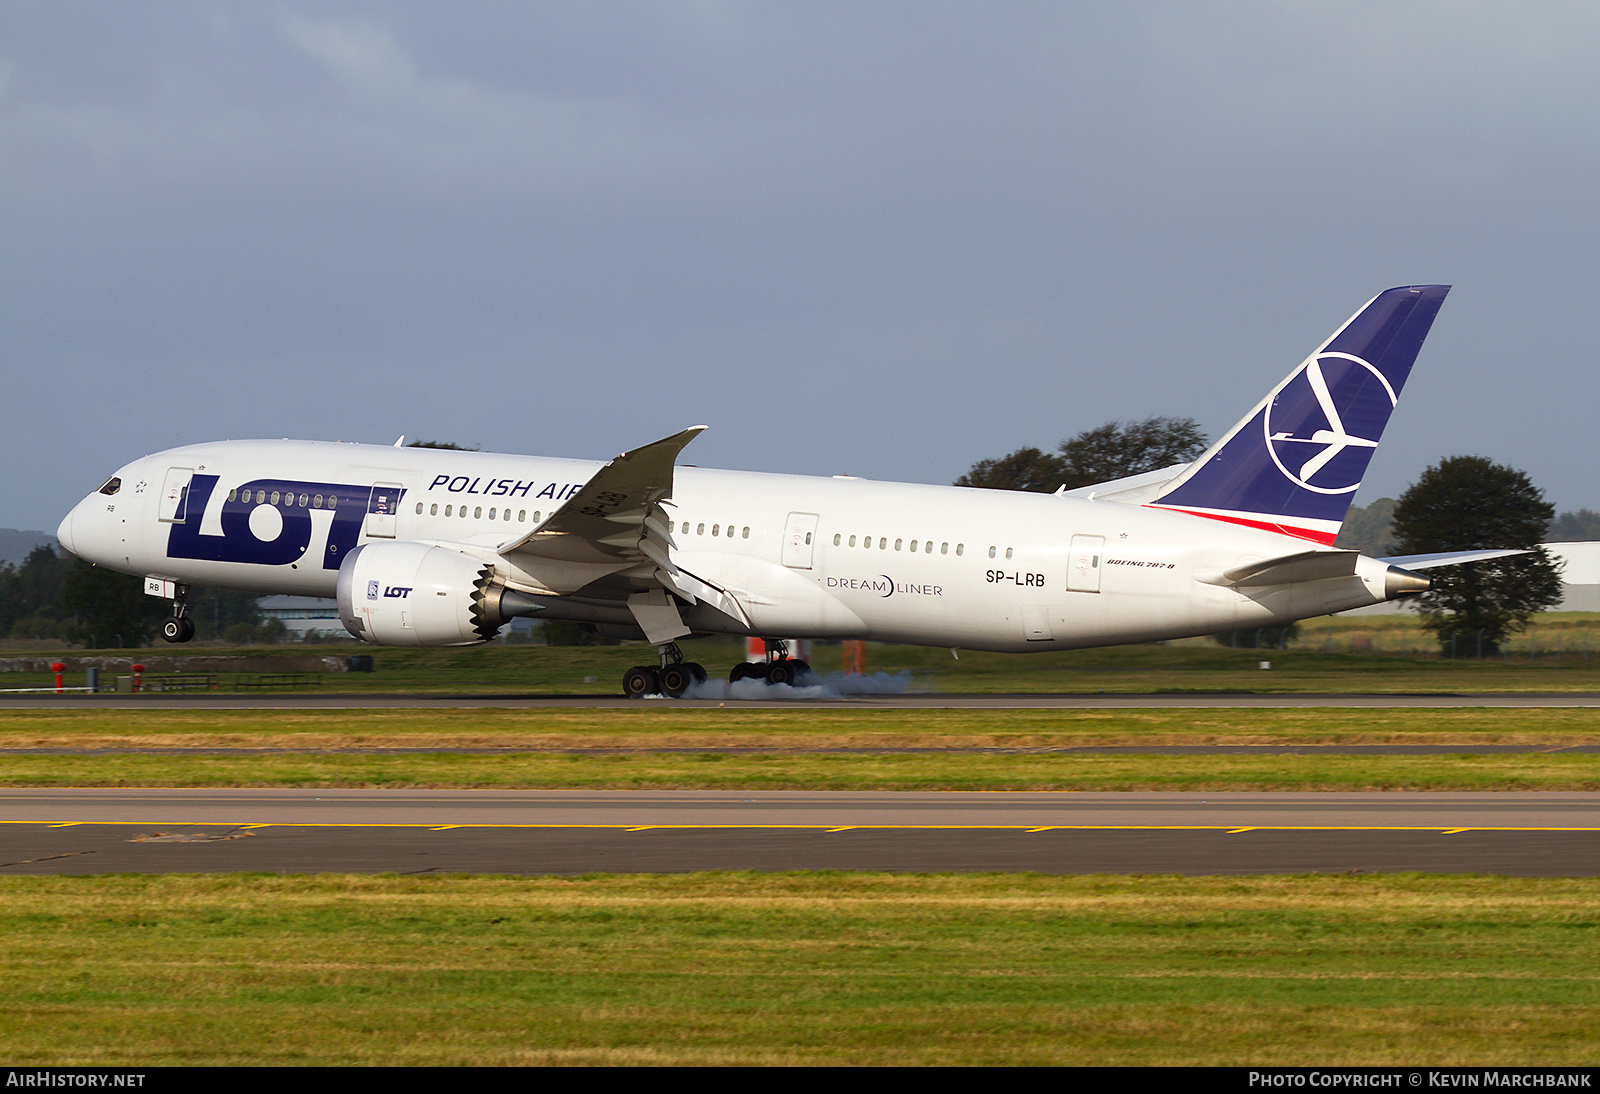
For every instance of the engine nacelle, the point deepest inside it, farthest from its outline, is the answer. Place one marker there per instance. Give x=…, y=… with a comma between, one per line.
x=411, y=594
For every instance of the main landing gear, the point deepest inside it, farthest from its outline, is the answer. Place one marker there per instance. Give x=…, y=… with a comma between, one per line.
x=178, y=627
x=672, y=678
x=778, y=668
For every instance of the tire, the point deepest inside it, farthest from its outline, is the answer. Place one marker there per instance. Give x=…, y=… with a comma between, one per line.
x=781, y=672
x=172, y=630
x=639, y=681
x=675, y=680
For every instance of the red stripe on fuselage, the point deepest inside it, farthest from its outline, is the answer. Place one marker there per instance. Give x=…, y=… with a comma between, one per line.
x=1324, y=538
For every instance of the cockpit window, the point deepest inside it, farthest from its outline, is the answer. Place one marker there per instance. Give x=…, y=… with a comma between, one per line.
x=112, y=485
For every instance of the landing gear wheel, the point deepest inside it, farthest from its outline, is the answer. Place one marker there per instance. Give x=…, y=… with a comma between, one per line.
x=782, y=672
x=641, y=680
x=676, y=679
x=177, y=629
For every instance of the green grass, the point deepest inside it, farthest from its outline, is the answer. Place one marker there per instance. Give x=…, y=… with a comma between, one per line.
x=799, y=969
x=787, y=771
x=666, y=747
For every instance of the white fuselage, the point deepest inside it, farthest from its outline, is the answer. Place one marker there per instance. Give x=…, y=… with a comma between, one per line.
x=803, y=557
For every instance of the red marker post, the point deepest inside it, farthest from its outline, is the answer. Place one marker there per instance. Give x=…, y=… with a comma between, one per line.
x=58, y=668
x=138, y=670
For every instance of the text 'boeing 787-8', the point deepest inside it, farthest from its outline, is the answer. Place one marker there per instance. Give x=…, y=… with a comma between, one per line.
x=429, y=547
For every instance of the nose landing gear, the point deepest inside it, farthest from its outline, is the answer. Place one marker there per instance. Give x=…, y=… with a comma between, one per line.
x=178, y=627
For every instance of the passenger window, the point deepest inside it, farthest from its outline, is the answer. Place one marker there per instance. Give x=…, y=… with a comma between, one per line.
x=897, y=544
x=852, y=541
x=316, y=502
x=944, y=548
x=913, y=546
x=714, y=528
x=959, y=548
x=274, y=497
x=433, y=510
x=233, y=495
x=699, y=529
x=836, y=539
x=927, y=548
x=419, y=508
x=491, y=514
x=1008, y=552
x=304, y=499
x=477, y=514
x=746, y=533
x=991, y=552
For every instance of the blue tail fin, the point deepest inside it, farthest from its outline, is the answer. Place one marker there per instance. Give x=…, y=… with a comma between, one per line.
x=1294, y=463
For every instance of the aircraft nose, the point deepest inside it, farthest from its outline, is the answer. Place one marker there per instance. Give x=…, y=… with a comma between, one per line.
x=64, y=533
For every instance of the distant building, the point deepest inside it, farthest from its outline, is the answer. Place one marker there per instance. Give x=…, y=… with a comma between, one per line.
x=305, y=615
x=1580, y=577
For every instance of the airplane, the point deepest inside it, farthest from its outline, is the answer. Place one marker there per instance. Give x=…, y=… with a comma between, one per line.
x=432, y=547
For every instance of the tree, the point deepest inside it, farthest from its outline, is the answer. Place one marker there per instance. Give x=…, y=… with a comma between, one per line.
x=112, y=608
x=1024, y=469
x=1368, y=530
x=30, y=594
x=1468, y=502
x=1114, y=450
x=1580, y=527
x=1110, y=451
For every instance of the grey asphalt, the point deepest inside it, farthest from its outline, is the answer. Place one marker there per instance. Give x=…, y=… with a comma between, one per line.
x=573, y=832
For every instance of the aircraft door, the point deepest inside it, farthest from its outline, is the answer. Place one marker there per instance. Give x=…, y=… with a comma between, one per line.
x=798, y=535
x=382, y=506
x=175, y=495
x=1083, y=563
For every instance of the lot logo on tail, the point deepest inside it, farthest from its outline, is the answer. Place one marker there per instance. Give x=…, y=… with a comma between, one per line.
x=1323, y=461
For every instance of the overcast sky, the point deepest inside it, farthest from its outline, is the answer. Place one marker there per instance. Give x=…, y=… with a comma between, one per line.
x=883, y=239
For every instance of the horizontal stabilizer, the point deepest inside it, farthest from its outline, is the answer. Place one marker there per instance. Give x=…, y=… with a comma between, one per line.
x=1448, y=558
x=1305, y=566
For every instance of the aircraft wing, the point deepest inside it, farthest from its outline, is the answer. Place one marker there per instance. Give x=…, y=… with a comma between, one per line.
x=1133, y=490
x=614, y=517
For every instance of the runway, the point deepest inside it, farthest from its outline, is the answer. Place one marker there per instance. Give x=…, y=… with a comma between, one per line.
x=573, y=832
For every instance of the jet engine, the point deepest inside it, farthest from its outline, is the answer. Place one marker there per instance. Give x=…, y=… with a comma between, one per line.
x=412, y=594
